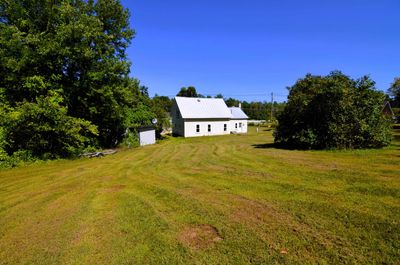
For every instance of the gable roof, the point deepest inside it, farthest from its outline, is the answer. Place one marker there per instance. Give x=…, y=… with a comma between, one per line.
x=238, y=113
x=202, y=108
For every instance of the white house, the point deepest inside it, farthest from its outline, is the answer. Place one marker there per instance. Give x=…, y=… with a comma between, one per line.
x=238, y=121
x=193, y=117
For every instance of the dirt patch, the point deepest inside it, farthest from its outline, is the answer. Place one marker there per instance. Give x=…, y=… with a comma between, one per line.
x=199, y=237
x=114, y=188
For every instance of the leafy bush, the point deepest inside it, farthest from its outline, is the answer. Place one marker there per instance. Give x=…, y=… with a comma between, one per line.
x=76, y=47
x=3, y=143
x=16, y=159
x=130, y=140
x=134, y=118
x=333, y=112
x=141, y=115
x=44, y=130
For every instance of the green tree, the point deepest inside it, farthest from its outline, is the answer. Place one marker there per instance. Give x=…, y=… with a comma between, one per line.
x=163, y=101
x=76, y=47
x=334, y=111
x=394, y=92
x=44, y=129
x=231, y=102
x=162, y=108
x=144, y=90
x=188, y=92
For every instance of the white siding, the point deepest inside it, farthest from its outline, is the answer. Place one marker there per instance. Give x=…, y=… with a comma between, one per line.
x=147, y=137
x=217, y=127
x=238, y=126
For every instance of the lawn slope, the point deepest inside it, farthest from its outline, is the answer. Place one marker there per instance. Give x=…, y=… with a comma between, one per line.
x=212, y=200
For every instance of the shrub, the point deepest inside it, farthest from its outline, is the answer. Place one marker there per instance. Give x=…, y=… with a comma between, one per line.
x=333, y=112
x=130, y=139
x=44, y=130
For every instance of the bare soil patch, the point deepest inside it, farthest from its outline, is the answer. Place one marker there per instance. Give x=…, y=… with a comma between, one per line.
x=199, y=237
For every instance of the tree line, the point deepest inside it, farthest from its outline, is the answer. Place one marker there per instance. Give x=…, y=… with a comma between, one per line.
x=65, y=87
x=255, y=110
x=394, y=96
x=64, y=78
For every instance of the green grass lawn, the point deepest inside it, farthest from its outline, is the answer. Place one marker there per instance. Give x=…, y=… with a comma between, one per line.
x=212, y=200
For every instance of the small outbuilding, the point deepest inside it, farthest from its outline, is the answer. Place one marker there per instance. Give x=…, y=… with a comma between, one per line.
x=146, y=135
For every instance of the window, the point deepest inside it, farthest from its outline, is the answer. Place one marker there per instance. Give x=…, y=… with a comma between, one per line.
x=235, y=125
x=225, y=128
x=198, y=128
x=240, y=125
x=177, y=114
x=209, y=128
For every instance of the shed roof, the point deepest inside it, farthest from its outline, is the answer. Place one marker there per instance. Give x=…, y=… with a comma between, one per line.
x=146, y=128
x=238, y=113
x=203, y=108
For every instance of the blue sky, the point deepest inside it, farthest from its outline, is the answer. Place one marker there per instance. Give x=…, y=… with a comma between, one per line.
x=248, y=49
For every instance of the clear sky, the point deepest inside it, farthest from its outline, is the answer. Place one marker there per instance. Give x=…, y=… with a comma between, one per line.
x=248, y=49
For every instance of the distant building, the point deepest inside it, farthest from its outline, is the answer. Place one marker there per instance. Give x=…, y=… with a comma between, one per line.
x=193, y=117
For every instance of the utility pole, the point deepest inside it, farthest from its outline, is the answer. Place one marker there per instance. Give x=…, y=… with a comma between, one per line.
x=272, y=105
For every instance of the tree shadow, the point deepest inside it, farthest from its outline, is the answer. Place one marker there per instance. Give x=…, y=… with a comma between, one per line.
x=275, y=146
x=264, y=146
x=397, y=146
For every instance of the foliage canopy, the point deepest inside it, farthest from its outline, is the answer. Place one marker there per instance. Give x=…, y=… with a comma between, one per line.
x=190, y=91
x=64, y=75
x=333, y=111
x=394, y=92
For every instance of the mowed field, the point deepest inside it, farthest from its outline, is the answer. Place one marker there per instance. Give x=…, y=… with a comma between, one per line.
x=213, y=200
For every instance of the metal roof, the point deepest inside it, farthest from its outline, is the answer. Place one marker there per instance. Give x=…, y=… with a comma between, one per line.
x=237, y=113
x=203, y=108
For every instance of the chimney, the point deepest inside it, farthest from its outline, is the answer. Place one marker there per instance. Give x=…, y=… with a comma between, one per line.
x=240, y=105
